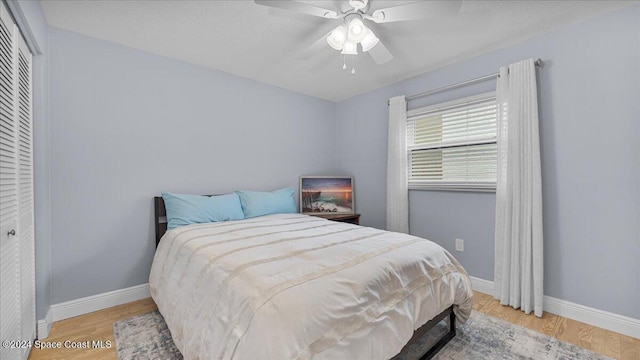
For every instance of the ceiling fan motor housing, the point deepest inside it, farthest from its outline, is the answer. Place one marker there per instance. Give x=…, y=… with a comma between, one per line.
x=358, y=4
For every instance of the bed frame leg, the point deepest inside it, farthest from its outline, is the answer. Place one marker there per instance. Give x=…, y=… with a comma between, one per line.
x=445, y=339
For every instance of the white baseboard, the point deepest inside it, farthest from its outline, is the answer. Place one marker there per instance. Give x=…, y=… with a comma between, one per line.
x=97, y=302
x=44, y=326
x=600, y=318
x=482, y=285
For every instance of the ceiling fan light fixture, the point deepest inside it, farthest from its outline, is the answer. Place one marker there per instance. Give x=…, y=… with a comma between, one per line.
x=350, y=48
x=337, y=37
x=369, y=41
x=357, y=30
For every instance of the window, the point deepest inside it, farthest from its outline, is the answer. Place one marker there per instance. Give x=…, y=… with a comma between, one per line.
x=452, y=146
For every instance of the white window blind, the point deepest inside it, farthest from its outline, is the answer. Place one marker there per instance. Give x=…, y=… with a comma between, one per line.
x=452, y=146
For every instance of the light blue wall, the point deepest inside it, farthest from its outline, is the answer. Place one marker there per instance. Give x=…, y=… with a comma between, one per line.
x=590, y=129
x=126, y=125
x=39, y=28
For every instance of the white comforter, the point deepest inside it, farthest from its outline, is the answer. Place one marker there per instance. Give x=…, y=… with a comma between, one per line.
x=292, y=286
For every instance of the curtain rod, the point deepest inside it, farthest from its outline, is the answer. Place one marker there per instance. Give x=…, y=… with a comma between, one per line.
x=538, y=63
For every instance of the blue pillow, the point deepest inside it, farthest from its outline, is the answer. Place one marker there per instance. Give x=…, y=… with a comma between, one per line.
x=258, y=203
x=195, y=209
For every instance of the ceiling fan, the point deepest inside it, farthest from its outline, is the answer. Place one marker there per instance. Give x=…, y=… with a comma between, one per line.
x=353, y=31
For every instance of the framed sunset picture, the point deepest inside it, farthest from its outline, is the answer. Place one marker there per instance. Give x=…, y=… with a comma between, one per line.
x=326, y=194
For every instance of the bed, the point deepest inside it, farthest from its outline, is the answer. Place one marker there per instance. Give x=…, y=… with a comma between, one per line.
x=292, y=286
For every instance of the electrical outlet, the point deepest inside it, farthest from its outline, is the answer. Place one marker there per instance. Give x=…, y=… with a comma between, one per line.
x=459, y=245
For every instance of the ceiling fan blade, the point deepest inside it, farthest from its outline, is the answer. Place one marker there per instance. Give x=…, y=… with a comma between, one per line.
x=312, y=49
x=418, y=10
x=380, y=54
x=300, y=7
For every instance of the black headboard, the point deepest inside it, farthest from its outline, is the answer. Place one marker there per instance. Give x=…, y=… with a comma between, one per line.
x=160, y=218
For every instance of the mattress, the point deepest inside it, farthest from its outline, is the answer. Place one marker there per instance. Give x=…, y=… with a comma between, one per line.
x=292, y=286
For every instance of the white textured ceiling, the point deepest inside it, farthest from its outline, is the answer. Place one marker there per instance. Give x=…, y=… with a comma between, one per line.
x=260, y=43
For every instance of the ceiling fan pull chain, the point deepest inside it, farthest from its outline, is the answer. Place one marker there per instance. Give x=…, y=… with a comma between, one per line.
x=344, y=62
x=353, y=67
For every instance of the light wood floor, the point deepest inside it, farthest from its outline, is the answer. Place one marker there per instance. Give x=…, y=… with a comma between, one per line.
x=99, y=326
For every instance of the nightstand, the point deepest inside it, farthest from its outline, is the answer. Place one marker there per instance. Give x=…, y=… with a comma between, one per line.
x=347, y=218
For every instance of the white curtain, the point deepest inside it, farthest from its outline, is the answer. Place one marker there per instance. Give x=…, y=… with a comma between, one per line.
x=397, y=192
x=518, y=269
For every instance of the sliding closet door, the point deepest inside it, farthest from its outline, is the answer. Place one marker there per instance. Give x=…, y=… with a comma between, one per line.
x=10, y=320
x=25, y=191
x=17, y=255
